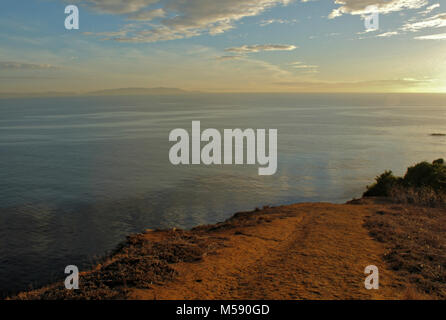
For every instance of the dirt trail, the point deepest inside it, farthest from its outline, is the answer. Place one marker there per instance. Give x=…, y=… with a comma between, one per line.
x=302, y=251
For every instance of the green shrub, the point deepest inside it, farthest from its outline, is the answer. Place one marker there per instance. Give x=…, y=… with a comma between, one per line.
x=418, y=179
x=425, y=174
x=381, y=188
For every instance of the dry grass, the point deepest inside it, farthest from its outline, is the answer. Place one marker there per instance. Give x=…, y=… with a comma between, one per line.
x=424, y=196
x=137, y=263
x=416, y=241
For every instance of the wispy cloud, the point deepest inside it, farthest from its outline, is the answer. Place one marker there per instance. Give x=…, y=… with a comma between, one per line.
x=148, y=15
x=13, y=65
x=261, y=47
x=305, y=68
x=264, y=23
x=106, y=34
x=440, y=36
x=357, y=86
x=436, y=21
x=225, y=58
x=367, y=31
x=358, y=7
x=429, y=9
x=387, y=34
x=117, y=6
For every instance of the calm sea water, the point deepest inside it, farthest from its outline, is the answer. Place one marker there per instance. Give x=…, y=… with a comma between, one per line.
x=79, y=174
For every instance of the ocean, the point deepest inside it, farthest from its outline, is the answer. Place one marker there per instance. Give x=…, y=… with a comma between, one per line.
x=79, y=174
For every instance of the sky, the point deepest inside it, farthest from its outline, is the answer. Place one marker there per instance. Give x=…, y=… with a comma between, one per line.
x=224, y=45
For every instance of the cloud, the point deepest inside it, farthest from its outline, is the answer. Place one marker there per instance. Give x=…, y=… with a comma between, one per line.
x=148, y=15
x=106, y=34
x=430, y=9
x=264, y=23
x=225, y=58
x=305, y=68
x=358, y=7
x=12, y=65
x=358, y=86
x=367, y=31
x=388, y=34
x=273, y=70
x=178, y=19
x=256, y=66
x=436, y=21
x=117, y=6
x=440, y=36
x=261, y=47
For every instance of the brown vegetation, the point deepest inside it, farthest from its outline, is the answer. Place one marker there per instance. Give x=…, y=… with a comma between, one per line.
x=137, y=263
x=424, y=196
x=415, y=239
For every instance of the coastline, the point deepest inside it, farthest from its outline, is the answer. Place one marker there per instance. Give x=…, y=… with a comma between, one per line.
x=301, y=251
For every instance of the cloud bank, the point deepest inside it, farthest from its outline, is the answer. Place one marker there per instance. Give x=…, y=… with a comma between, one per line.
x=178, y=19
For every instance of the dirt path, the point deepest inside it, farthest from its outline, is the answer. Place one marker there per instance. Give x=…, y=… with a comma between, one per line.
x=302, y=251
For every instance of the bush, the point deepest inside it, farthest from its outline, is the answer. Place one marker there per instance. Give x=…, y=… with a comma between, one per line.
x=425, y=174
x=384, y=183
x=423, y=184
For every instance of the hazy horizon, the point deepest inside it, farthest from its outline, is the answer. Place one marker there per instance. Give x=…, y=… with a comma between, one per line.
x=179, y=91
